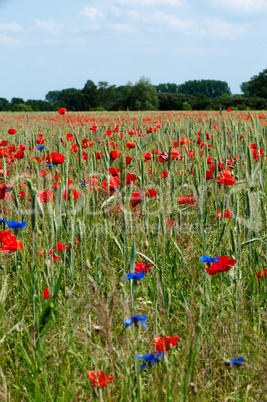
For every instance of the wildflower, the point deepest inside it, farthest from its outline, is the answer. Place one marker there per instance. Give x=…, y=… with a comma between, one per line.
x=151, y=193
x=227, y=214
x=223, y=263
x=99, y=378
x=149, y=358
x=130, y=145
x=56, y=158
x=263, y=271
x=62, y=246
x=40, y=148
x=2, y=220
x=208, y=260
x=12, y=131
x=46, y=196
x=164, y=174
x=70, y=137
x=9, y=242
x=186, y=200
x=218, y=215
x=141, y=267
x=237, y=362
x=134, y=320
x=137, y=277
x=226, y=179
x=61, y=110
x=16, y=225
x=163, y=344
x=147, y=157
x=163, y=157
x=128, y=160
x=135, y=199
x=46, y=294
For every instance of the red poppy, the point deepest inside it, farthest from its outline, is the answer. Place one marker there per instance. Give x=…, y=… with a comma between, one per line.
x=57, y=158
x=229, y=109
x=171, y=223
x=9, y=242
x=99, y=378
x=12, y=131
x=141, y=267
x=218, y=215
x=175, y=154
x=62, y=110
x=135, y=199
x=3, y=190
x=130, y=145
x=46, y=196
x=62, y=246
x=130, y=178
x=99, y=155
x=70, y=137
x=224, y=263
x=128, y=160
x=186, y=200
x=114, y=172
x=147, y=157
x=75, y=193
x=151, y=193
x=163, y=344
x=209, y=175
x=46, y=294
x=114, y=183
x=226, y=179
x=227, y=214
x=113, y=155
x=259, y=274
x=3, y=143
x=164, y=174
x=163, y=157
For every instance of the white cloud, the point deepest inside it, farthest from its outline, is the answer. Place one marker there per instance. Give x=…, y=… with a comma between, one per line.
x=243, y=5
x=173, y=3
x=7, y=40
x=91, y=12
x=224, y=29
x=49, y=26
x=187, y=26
x=124, y=28
x=10, y=26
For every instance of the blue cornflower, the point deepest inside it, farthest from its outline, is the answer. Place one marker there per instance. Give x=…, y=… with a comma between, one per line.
x=134, y=319
x=41, y=148
x=237, y=362
x=208, y=260
x=16, y=225
x=134, y=276
x=48, y=165
x=150, y=358
x=2, y=220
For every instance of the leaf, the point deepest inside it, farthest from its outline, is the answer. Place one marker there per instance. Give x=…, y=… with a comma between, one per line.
x=251, y=241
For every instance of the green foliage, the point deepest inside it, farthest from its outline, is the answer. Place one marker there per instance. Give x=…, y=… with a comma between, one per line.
x=256, y=86
x=210, y=88
x=141, y=96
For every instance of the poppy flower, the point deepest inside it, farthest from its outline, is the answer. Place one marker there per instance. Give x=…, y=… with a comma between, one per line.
x=16, y=225
x=227, y=214
x=10, y=243
x=141, y=267
x=130, y=145
x=226, y=179
x=46, y=294
x=223, y=263
x=135, y=319
x=4, y=189
x=175, y=154
x=147, y=157
x=75, y=194
x=113, y=155
x=56, y=158
x=151, y=193
x=128, y=160
x=114, y=171
x=149, y=359
x=171, y=223
x=130, y=178
x=46, y=196
x=99, y=155
x=12, y=131
x=229, y=109
x=70, y=137
x=259, y=274
x=163, y=344
x=135, y=199
x=164, y=174
x=62, y=246
x=61, y=110
x=218, y=215
x=209, y=175
x=137, y=277
x=163, y=157
x=99, y=378
x=186, y=200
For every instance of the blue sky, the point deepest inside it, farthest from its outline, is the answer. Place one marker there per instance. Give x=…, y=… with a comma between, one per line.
x=61, y=44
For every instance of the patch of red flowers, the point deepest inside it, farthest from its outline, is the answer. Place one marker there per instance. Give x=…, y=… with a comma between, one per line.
x=224, y=263
x=99, y=378
x=163, y=344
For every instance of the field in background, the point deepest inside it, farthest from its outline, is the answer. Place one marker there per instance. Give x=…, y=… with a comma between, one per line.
x=133, y=188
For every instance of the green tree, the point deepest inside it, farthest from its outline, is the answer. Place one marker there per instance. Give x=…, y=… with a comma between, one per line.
x=210, y=88
x=4, y=105
x=16, y=101
x=141, y=96
x=90, y=95
x=256, y=86
x=106, y=94
x=167, y=88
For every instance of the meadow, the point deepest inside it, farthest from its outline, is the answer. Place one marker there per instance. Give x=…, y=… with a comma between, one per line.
x=133, y=255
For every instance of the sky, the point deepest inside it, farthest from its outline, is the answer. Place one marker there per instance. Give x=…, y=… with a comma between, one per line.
x=53, y=45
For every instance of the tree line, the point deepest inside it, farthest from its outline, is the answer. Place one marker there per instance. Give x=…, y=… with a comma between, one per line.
x=191, y=95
